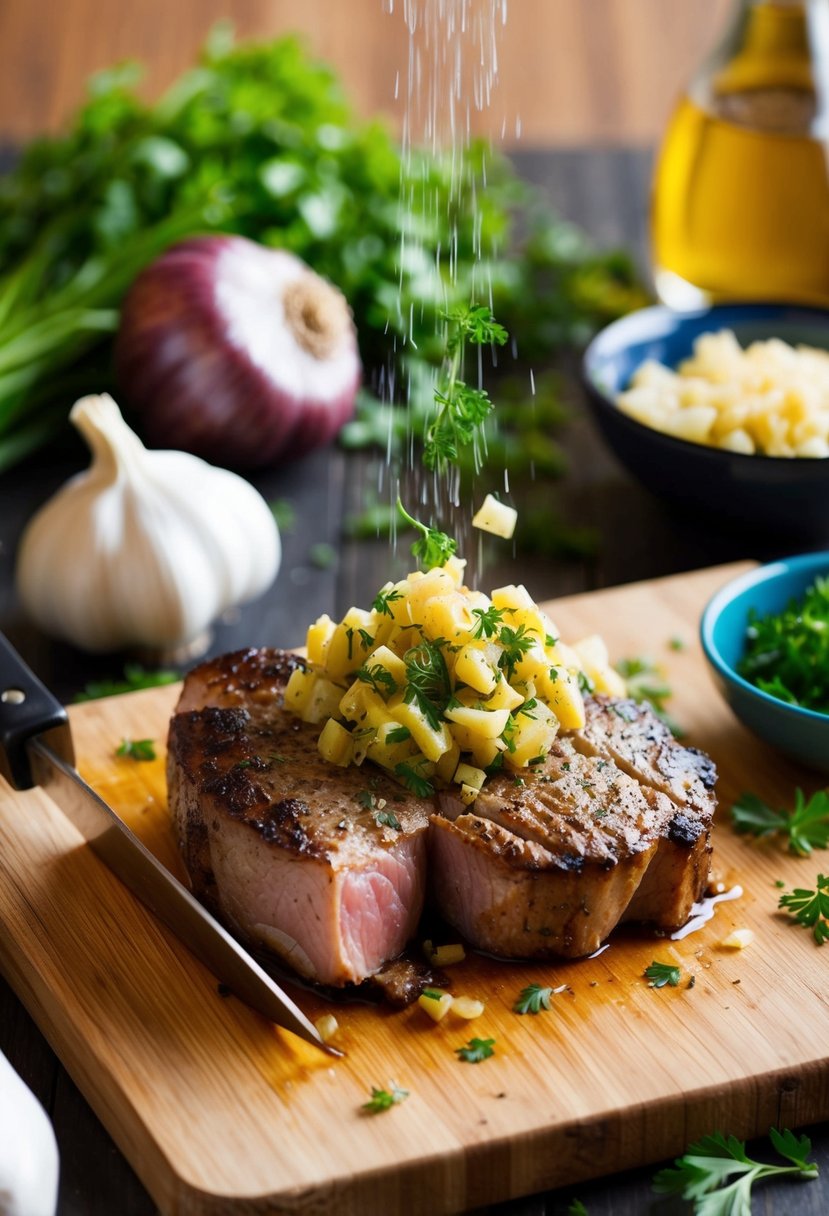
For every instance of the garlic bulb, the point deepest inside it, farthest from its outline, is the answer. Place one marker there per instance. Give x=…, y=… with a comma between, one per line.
x=145, y=548
x=28, y=1151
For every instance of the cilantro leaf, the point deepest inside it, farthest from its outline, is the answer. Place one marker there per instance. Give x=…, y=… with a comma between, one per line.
x=806, y=826
x=384, y=1099
x=660, y=974
x=476, y=1050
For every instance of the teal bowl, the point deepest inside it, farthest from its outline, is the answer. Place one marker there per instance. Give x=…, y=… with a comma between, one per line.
x=799, y=733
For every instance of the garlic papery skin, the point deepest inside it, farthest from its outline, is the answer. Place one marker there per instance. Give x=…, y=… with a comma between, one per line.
x=28, y=1151
x=145, y=548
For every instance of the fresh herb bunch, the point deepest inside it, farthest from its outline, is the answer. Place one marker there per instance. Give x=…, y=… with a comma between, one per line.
x=810, y=908
x=704, y=1174
x=805, y=827
x=787, y=653
x=258, y=140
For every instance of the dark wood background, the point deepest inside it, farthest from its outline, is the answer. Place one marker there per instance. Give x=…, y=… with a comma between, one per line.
x=580, y=74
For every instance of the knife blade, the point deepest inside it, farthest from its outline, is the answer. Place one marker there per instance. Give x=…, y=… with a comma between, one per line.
x=36, y=749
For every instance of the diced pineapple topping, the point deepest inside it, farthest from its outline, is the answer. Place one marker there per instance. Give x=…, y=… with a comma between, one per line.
x=435, y=1002
x=495, y=517
x=441, y=685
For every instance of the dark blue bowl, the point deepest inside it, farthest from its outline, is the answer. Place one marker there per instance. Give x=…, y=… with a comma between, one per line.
x=799, y=733
x=764, y=493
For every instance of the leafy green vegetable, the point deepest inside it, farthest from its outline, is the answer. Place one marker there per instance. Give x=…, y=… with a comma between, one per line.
x=135, y=678
x=434, y=548
x=810, y=908
x=137, y=749
x=461, y=410
x=703, y=1174
x=476, y=1050
x=787, y=653
x=384, y=1099
x=533, y=999
x=387, y=819
x=257, y=139
x=806, y=826
x=659, y=975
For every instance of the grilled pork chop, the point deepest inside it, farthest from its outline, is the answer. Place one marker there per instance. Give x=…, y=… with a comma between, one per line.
x=284, y=847
x=600, y=833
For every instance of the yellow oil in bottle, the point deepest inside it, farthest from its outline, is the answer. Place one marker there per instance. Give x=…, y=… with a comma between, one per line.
x=741, y=192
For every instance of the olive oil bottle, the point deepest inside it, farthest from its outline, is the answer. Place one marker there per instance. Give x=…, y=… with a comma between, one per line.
x=740, y=206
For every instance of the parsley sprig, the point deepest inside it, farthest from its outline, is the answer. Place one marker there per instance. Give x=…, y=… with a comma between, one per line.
x=533, y=999
x=434, y=548
x=717, y=1174
x=476, y=1050
x=136, y=749
x=428, y=684
x=384, y=1099
x=659, y=975
x=805, y=827
x=489, y=621
x=461, y=410
x=810, y=908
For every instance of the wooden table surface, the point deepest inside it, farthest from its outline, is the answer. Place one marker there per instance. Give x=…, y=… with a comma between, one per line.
x=639, y=538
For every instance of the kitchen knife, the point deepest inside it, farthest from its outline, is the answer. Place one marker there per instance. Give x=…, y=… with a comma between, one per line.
x=36, y=749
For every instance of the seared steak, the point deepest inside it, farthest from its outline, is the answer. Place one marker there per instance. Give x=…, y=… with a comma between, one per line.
x=550, y=862
x=284, y=847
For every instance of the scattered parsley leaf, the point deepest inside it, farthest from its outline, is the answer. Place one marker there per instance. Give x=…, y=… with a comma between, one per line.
x=387, y=819
x=399, y=734
x=703, y=1174
x=323, y=556
x=379, y=678
x=533, y=999
x=806, y=826
x=428, y=684
x=489, y=620
x=384, y=598
x=135, y=678
x=365, y=798
x=384, y=1099
x=476, y=1050
x=810, y=908
x=677, y=643
x=414, y=781
x=577, y=1208
x=137, y=749
x=515, y=644
x=660, y=974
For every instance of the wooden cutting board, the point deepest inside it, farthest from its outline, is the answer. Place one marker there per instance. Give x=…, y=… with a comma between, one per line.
x=219, y=1112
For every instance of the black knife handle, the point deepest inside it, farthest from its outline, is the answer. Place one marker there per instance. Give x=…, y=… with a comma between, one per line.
x=27, y=708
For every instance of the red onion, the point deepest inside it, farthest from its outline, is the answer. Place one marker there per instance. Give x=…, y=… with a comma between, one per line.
x=237, y=353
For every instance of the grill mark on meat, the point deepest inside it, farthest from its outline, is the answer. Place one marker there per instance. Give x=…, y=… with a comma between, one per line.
x=281, y=844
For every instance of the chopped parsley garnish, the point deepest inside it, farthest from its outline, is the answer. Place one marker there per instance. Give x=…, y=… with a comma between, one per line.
x=533, y=999
x=413, y=780
x=137, y=749
x=717, y=1175
x=805, y=827
x=787, y=653
x=489, y=621
x=428, y=685
x=387, y=819
x=515, y=643
x=434, y=548
x=476, y=1050
x=810, y=908
x=399, y=734
x=384, y=598
x=432, y=994
x=586, y=685
x=379, y=678
x=384, y=1099
x=527, y=708
x=135, y=678
x=366, y=799
x=659, y=975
